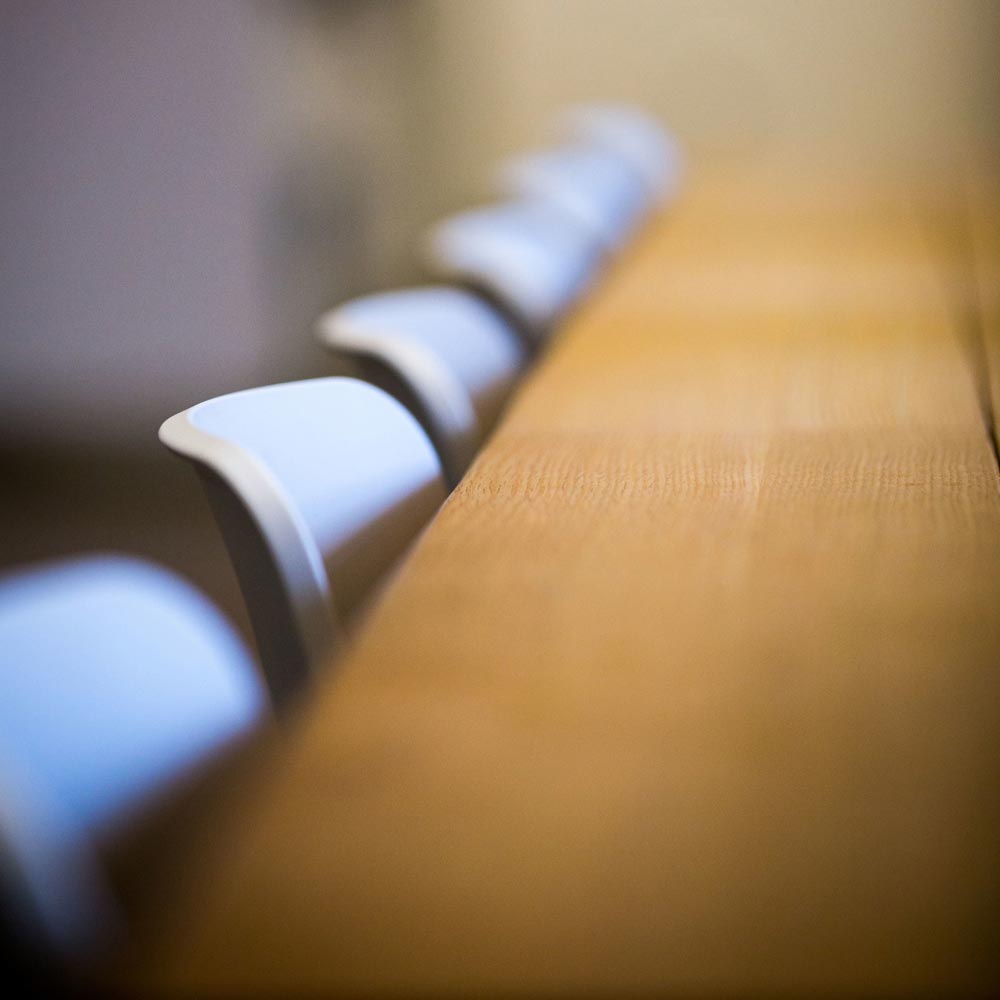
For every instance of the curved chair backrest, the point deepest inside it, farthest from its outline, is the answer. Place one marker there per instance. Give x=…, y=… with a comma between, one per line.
x=445, y=353
x=588, y=181
x=317, y=486
x=525, y=255
x=117, y=679
x=634, y=135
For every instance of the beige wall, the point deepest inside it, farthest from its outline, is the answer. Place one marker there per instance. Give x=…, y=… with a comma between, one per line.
x=852, y=82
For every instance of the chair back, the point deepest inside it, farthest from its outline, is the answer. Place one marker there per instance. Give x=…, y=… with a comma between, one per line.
x=634, y=135
x=525, y=255
x=589, y=182
x=445, y=353
x=117, y=681
x=318, y=486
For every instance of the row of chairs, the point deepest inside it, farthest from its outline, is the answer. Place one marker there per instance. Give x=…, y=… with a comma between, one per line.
x=293, y=496
x=118, y=678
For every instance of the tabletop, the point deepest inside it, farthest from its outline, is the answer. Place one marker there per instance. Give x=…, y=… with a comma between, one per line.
x=691, y=685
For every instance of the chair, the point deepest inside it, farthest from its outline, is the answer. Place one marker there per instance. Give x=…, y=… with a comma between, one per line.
x=589, y=182
x=524, y=255
x=638, y=138
x=445, y=353
x=117, y=680
x=317, y=486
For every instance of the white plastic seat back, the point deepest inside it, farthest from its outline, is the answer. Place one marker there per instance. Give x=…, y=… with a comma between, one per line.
x=525, y=255
x=589, y=182
x=318, y=486
x=116, y=680
x=444, y=352
x=636, y=136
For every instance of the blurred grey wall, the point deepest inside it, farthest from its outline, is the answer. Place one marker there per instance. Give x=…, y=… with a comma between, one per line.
x=183, y=185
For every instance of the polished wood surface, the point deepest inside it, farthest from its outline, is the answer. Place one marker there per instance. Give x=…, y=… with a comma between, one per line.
x=692, y=685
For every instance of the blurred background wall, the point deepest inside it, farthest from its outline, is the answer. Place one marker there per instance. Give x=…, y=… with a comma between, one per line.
x=185, y=184
x=864, y=82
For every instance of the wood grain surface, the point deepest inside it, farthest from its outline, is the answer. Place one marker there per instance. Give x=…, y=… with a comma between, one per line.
x=692, y=685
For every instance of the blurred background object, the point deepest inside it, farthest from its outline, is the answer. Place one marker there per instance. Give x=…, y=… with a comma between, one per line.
x=185, y=186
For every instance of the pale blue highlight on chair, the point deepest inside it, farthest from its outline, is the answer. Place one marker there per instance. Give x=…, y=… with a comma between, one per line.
x=454, y=357
x=633, y=134
x=318, y=487
x=589, y=182
x=117, y=681
x=525, y=254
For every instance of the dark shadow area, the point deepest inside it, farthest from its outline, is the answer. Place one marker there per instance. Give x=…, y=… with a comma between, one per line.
x=54, y=504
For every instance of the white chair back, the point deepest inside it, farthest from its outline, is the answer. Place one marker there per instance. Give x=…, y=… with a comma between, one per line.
x=318, y=487
x=634, y=135
x=117, y=680
x=589, y=182
x=524, y=255
x=444, y=352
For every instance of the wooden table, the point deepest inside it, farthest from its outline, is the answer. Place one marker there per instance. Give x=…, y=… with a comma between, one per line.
x=693, y=683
